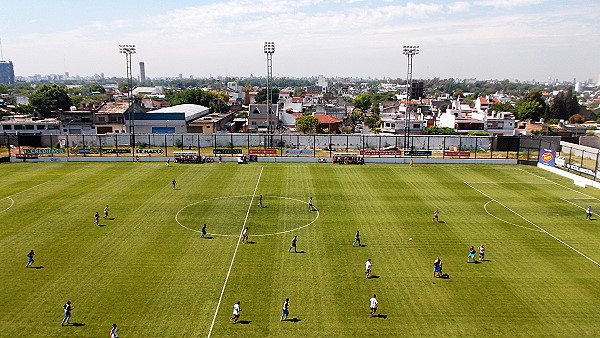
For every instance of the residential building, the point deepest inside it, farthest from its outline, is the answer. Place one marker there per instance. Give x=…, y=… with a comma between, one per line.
x=110, y=117
x=259, y=118
x=7, y=72
x=211, y=123
x=26, y=125
x=166, y=120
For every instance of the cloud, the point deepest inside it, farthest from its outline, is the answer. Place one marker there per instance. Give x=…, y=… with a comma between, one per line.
x=508, y=3
x=458, y=7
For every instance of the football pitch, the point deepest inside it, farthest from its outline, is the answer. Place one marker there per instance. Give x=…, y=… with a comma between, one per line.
x=147, y=269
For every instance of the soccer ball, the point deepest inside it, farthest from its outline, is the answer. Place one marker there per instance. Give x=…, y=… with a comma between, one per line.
x=410, y=239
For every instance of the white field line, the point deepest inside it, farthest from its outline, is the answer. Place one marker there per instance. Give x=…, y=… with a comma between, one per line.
x=564, y=186
x=261, y=235
x=580, y=207
x=235, y=253
x=500, y=219
x=12, y=202
x=508, y=183
x=535, y=225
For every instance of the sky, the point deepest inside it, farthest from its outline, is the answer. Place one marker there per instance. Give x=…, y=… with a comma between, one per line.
x=483, y=39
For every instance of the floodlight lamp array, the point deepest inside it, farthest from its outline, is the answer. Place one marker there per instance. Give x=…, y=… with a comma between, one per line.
x=127, y=49
x=269, y=47
x=410, y=50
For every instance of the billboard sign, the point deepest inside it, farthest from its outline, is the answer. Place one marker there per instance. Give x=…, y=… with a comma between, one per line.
x=226, y=151
x=547, y=157
x=560, y=161
x=84, y=151
x=381, y=152
x=457, y=153
x=262, y=151
x=43, y=151
x=297, y=152
x=417, y=153
x=185, y=153
x=116, y=151
x=26, y=156
x=582, y=170
x=149, y=151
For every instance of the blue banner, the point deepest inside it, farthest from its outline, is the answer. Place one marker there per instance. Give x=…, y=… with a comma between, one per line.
x=547, y=156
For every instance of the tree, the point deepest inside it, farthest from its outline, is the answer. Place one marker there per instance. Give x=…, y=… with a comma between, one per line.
x=96, y=87
x=24, y=109
x=373, y=121
x=438, y=131
x=502, y=106
x=307, y=124
x=457, y=93
x=529, y=110
x=576, y=118
x=363, y=101
x=48, y=98
x=198, y=96
x=261, y=96
x=3, y=89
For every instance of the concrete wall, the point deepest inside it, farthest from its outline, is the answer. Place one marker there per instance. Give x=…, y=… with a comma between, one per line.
x=569, y=175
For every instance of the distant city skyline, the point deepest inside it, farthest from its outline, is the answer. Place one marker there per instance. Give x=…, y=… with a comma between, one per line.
x=483, y=39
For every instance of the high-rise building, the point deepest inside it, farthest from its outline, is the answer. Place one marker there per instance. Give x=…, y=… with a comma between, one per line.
x=7, y=72
x=142, y=72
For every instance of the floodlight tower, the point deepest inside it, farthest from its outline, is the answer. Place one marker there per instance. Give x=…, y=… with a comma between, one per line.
x=409, y=51
x=128, y=50
x=269, y=50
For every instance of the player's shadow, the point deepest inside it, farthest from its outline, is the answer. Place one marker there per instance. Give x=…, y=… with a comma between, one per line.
x=110, y=218
x=380, y=316
x=486, y=260
x=441, y=222
x=250, y=242
x=244, y=322
x=373, y=277
x=37, y=267
x=445, y=276
x=176, y=189
x=294, y=320
x=301, y=251
x=474, y=262
x=76, y=324
x=207, y=237
x=101, y=225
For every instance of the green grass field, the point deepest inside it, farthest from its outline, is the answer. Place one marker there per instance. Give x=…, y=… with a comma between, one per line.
x=148, y=270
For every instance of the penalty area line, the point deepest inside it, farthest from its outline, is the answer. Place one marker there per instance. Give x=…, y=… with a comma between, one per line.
x=535, y=225
x=212, y=324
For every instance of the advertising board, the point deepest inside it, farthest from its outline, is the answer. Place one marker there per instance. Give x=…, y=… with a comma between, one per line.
x=417, y=153
x=149, y=151
x=547, y=157
x=84, y=151
x=381, y=152
x=226, y=151
x=185, y=153
x=263, y=151
x=43, y=151
x=457, y=153
x=298, y=152
x=116, y=151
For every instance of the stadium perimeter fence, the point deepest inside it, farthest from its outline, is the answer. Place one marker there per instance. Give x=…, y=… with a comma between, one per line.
x=523, y=148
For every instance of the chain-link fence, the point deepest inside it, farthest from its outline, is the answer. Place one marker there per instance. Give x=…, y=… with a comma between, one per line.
x=318, y=145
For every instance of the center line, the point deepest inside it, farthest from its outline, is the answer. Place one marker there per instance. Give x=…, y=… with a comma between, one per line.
x=234, y=253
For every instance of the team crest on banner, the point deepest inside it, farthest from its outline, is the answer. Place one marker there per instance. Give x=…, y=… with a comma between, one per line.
x=547, y=156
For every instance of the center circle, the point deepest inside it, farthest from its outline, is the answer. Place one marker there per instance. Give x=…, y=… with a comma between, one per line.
x=225, y=215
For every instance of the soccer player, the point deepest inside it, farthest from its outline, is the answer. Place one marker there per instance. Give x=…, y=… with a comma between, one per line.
x=168, y=161
x=356, y=239
x=588, y=213
x=203, y=231
x=311, y=207
x=481, y=253
x=97, y=219
x=285, y=310
x=373, y=302
x=106, y=211
x=294, y=239
x=236, y=312
x=68, y=308
x=471, y=255
x=114, y=331
x=368, y=266
x=174, y=183
x=411, y=163
x=30, y=258
x=437, y=267
x=436, y=213
x=245, y=235
x=260, y=205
